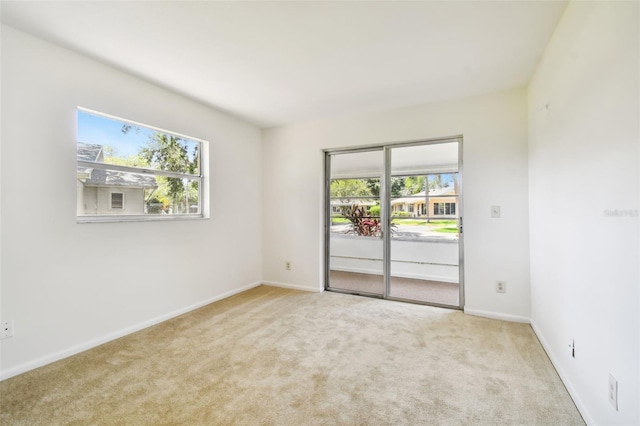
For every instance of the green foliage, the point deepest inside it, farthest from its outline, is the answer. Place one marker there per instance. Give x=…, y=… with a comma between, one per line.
x=374, y=186
x=414, y=184
x=397, y=187
x=170, y=153
x=111, y=157
x=339, y=220
x=374, y=211
x=444, y=222
x=447, y=230
x=350, y=188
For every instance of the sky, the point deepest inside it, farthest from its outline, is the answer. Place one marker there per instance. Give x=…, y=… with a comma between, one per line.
x=100, y=130
x=95, y=129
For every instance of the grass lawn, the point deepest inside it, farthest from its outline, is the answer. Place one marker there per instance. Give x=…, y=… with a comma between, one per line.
x=423, y=222
x=447, y=229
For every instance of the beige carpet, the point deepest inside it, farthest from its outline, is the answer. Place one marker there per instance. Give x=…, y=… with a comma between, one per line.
x=284, y=357
x=434, y=292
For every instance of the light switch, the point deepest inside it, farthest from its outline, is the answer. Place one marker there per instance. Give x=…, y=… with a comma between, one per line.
x=495, y=212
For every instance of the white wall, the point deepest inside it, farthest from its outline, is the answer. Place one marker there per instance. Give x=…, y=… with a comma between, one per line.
x=68, y=286
x=584, y=162
x=495, y=173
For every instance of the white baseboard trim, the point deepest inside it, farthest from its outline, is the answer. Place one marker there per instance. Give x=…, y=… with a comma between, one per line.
x=496, y=315
x=293, y=286
x=40, y=362
x=582, y=408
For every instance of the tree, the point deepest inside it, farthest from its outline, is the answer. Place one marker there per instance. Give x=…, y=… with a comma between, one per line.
x=397, y=187
x=374, y=186
x=436, y=182
x=111, y=156
x=170, y=153
x=350, y=188
x=414, y=184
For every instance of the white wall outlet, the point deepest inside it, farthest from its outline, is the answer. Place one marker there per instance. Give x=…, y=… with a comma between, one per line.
x=6, y=330
x=495, y=212
x=613, y=392
x=287, y=265
x=501, y=286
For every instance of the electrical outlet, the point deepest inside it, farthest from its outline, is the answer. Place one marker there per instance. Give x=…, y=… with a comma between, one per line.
x=6, y=330
x=572, y=347
x=287, y=265
x=501, y=287
x=613, y=392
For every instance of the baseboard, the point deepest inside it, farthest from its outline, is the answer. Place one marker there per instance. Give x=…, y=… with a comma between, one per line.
x=496, y=315
x=27, y=366
x=582, y=408
x=292, y=286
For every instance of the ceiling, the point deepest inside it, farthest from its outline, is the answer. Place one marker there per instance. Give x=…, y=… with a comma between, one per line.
x=441, y=157
x=278, y=63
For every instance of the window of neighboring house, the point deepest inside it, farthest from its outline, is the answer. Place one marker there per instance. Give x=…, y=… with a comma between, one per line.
x=117, y=200
x=161, y=173
x=440, y=209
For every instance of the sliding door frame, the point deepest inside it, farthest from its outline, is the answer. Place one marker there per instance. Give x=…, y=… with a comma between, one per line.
x=385, y=216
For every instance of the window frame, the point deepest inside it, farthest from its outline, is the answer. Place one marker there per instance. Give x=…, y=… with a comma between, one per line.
x=201, y=177
x=111, y=194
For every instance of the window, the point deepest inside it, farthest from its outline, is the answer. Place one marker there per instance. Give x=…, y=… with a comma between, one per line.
x=440, y=209
x=159, y=173
x=117, y=200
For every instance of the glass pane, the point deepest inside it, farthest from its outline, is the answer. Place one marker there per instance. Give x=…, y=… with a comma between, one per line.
x=110, y=154
x=111, y=192
x=443, y=184
x=173, y=197
x=355, y=243
x=108, y=140
x=424, y=262
x=355, y=206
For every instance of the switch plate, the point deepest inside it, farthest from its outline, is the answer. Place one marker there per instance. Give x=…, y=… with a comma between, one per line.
x=6, y=330
x=495, y=212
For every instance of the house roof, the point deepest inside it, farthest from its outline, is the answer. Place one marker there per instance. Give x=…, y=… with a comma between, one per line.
x=351, y=201
x=99, y=177
x=447, y=190
x=89, y=152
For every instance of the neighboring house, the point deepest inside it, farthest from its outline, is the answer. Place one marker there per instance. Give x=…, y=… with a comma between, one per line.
x=440, y=202
x=103, y=192
x=339, y=203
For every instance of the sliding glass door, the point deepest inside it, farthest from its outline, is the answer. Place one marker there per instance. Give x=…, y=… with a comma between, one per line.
x=393, y=222
x=355, y=241
x=424, y=236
